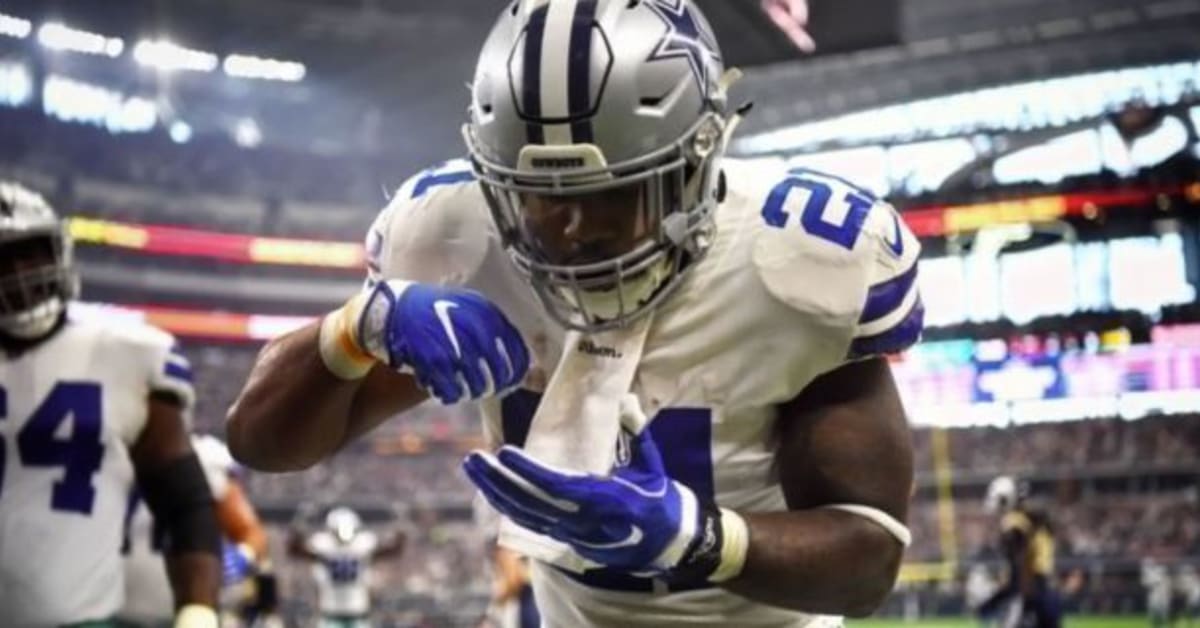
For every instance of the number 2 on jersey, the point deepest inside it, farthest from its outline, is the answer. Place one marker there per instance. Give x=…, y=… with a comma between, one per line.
x=80, y=454
x=820, y=195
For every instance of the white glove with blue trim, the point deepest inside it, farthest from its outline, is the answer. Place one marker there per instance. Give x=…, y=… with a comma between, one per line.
x=457, y=343
x=636, y=520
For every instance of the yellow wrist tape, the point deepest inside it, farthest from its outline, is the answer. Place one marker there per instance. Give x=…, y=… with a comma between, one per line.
x=340, y=349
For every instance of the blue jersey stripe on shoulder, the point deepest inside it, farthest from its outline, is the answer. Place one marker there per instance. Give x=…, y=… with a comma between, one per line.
x=900, y=337
x=445, y=178
x=178, y=371
x=884, y=298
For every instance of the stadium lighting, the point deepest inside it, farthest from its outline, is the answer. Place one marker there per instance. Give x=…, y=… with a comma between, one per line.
x=247, y=66
x=180, y=131
x=57, y=36
x=168, y=56
x=16, y=84
x=247, y=134
x=12, y=26
x=77, y=101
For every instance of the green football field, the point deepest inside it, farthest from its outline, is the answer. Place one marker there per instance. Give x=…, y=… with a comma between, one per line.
x=1070, y=622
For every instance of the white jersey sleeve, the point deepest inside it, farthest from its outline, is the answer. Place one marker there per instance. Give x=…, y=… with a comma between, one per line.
x=166, y=369
x=891, y=316
x=158, y=363
x=431, y=231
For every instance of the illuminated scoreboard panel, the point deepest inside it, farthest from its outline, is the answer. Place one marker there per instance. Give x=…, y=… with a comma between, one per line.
x=1143, y=274
x=967, y=382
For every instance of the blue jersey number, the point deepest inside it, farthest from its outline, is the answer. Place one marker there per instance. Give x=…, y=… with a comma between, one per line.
x=79, y=455
x=820, y=194
x=343, y=570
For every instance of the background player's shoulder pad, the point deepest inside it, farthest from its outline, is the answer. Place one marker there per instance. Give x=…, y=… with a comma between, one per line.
x=167, y=370
x=435, y=229
x=1015, y=521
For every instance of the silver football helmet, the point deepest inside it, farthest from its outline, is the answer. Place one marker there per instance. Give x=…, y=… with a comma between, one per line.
x=343, y=523
x=1004, y=493
x=596, y=129
x=37, y=275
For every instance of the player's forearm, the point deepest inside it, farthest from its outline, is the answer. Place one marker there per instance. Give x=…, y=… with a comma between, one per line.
x=195, y=578
x=818, y=561
x=292, y=412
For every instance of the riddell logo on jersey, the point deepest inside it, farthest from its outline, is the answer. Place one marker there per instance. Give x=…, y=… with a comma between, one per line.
x=591, y=348
x=557, y=163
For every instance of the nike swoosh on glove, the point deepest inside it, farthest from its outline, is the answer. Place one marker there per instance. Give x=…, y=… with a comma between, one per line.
x=458, y=344
x=636, y=520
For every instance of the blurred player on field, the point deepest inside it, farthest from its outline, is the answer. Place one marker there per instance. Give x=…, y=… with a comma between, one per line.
x=342, y=554
x=512, y=604
x=1027, y=542
x=248, y=589
x=85, y=408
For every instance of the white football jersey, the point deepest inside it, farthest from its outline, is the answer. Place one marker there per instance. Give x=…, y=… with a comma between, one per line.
x=806, y=272
x=70, y=409
x=342, y=575
x=148, y=594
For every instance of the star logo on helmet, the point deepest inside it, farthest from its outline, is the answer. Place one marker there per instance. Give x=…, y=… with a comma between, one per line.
x=685, y=38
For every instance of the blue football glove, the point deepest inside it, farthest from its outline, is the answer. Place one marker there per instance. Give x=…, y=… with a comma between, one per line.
x=457, y=343
x=237, y=563
x=636, y=520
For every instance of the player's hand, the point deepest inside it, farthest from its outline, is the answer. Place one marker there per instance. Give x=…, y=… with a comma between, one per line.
x=637, y=519
x=237, y=562
x=457, y=343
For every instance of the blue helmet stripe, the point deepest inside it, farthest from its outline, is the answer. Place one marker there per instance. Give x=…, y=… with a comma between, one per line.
x=531, y=75
x=579, y=72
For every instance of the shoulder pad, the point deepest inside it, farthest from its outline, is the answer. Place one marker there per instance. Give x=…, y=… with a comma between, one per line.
x=435, y=229
x=830, y=248
x=1015, y=521
x=167, y=369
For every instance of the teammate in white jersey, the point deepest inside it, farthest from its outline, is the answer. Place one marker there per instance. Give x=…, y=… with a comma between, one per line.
x=148, y=597
x=84, y=408
x=771, y=486
x=342, y=554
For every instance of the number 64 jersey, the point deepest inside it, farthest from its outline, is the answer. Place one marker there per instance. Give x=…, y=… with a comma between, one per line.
x=70, y=409
x=806, y=271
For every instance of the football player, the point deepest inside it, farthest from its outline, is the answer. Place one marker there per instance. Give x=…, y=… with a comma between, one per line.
x=342, y=555
x=1027, y=541
x=771, y=486
x=512, y=604
x=148, y=598
x=84, y=409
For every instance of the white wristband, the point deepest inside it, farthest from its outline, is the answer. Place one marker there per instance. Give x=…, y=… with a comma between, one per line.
x=735, y=544
x=196, y=616
x=340, y=350
x=878, y=517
